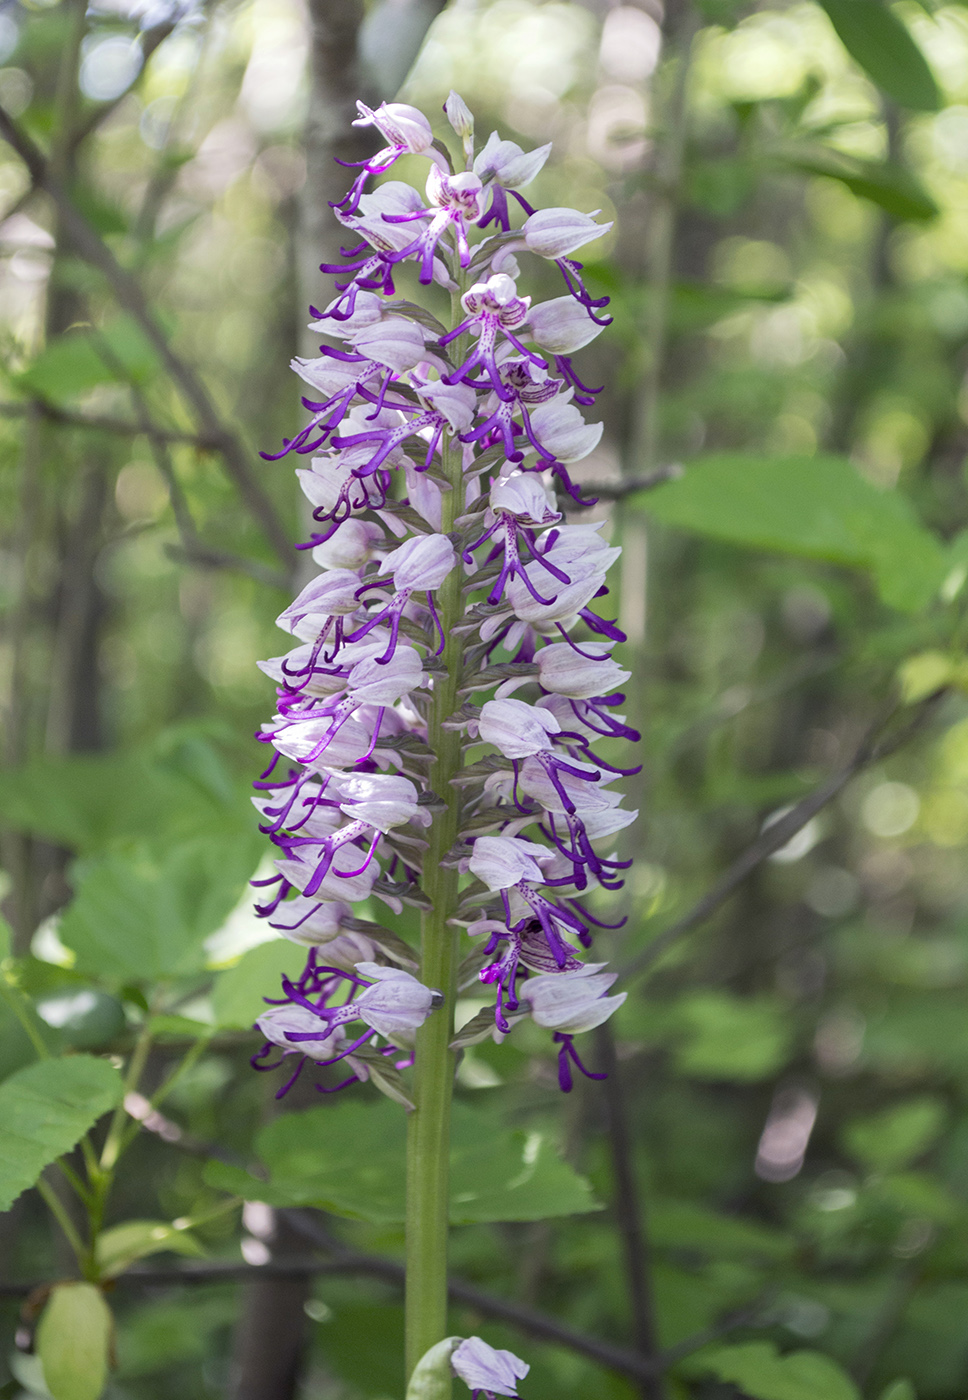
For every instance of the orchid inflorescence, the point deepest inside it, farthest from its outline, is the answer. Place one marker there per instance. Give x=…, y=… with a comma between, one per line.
x=347, y=799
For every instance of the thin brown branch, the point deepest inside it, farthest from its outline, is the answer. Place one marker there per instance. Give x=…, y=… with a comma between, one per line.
x=618, y=490
x=89, y=245
x=629, y=1214
x=872, y=749
x=527, y=1320
x=104, y=423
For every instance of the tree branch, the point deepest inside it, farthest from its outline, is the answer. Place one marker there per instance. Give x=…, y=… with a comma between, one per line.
x=89, y=245
x=618, y=490
x=629, y=1215
x=871, y=750
x=106, y=424
x=349, y=1262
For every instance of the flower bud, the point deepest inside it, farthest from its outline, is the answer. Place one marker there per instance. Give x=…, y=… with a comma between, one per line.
x=562, y=325
x=458, y=115
x=557, y=233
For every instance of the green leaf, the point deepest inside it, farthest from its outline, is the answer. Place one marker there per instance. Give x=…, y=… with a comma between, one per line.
x=6, y=939
x=74, y=1341
x=86, y=802
x=45, y=1109
x=348, y=1158
x=896, y=1136
x=81, y=359
x=876, y=39
x=814, y=507
x=761, y=1374
x=901, y=1389
x=885, y=183
x=237, y=998
x=120, y=1246
x=141, y=917
x=727, y=1037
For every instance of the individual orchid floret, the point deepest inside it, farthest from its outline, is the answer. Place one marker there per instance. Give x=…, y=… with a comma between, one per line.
x=455, y=203
x=570, y=1002
x=573, y=1001
x=406, y=131
x=419, y=565
x=503, y=861
x=493, y=308
x=560, y=434
x=507, y=164
x=557, y=233
x=515, y=729
x=396, y=1005
x=593, y=673
x=562, y=326
x=487, y=1371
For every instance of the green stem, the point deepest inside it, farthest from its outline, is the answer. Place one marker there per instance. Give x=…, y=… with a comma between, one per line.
x=59, y=1212
x=428, y=1127
x=20, y=1007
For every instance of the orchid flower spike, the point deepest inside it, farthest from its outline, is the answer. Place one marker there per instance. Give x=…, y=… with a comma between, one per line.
x=451, y=671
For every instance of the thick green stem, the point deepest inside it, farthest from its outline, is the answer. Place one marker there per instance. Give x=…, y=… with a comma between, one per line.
x=428, y=1129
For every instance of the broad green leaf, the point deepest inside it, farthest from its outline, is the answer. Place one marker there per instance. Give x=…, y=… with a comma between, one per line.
x=814, y=507
x=120, y=1246
x=74, y=1341
x=45, y=1109
x=141, y=917
x=896, y=1136
x=901, y=1389
x=757, y=1369
x=86, y=802
x=874, y=36
x=348, y=1158
x=727, y=1037
x=890, y=186
x=80, y=359
x=237, y=997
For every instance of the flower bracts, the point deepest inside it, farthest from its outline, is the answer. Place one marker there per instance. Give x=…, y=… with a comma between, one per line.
x=346, y=799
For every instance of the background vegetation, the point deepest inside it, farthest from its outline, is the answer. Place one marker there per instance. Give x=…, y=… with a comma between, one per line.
x=781, y=1151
